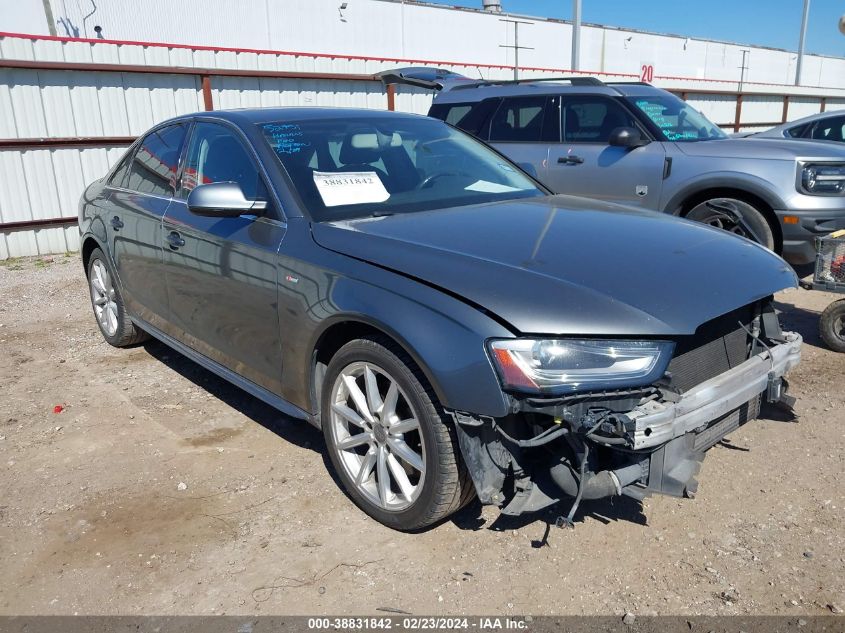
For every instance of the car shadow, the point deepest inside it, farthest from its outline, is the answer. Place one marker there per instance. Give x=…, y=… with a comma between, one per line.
x=297, y=432
x=604, y=510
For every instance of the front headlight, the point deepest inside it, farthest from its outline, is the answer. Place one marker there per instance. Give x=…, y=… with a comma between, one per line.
x=823, y=180
x=567, y=365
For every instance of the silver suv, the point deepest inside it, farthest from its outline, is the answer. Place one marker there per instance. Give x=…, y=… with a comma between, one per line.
x=635, y=144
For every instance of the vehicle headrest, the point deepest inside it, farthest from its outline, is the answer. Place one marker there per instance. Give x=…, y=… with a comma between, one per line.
x=366, y=147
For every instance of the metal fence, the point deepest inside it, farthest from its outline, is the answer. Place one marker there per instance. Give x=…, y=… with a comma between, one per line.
x=69, y=107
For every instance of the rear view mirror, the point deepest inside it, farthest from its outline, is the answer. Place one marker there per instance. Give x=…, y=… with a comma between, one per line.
x=628, y=137
x=222, y=200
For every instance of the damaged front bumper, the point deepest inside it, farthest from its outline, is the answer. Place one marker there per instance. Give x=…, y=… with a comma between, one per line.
x=658, y=422
x=618, y=443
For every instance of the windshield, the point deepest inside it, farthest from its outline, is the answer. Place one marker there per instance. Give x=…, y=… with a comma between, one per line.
x=347, y=168
x=677, y=120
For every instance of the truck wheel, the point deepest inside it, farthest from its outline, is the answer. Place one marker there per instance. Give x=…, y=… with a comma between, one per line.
x=832, y=326
x=389, y=439
x=758, y=228
x=115, y=325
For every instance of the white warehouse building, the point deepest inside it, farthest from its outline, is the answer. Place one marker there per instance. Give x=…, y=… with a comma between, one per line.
x=79, y=80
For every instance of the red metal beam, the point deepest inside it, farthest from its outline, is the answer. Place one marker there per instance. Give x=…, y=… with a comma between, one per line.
x=208, y=101
x=35, y=224
x=179, y=70
x=391, y=97
x=72, y=141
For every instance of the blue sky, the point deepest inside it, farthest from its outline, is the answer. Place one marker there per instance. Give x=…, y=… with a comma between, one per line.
x=774, y=23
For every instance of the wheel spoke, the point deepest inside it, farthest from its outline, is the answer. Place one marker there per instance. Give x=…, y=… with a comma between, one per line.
x=388, y=410
x=349, y=415
x=401, y=478
x=374, y=401
x=383, y=476
x=406, y=453
x=355, y=440
x=101, y=300
x=404, y=426
x=367, y=463
x=358, y=398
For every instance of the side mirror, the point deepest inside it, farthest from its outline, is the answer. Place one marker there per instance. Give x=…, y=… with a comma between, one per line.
x=222, y=200
x=627, y=137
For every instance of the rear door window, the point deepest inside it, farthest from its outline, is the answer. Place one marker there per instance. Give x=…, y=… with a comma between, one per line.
x=153, y=168
x=592, y=119
x=519, y=120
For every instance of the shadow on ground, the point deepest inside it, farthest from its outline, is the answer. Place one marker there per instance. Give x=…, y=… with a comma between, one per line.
x=297, y=432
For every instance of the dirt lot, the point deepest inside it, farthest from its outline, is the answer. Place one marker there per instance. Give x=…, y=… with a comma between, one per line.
x=159, y=489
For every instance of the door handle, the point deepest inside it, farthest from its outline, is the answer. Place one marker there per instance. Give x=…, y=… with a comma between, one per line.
x=116, y=223
x=570, y=160
x=175, y=240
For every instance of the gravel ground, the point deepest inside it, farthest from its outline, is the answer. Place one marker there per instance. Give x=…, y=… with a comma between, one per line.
x=159, y=489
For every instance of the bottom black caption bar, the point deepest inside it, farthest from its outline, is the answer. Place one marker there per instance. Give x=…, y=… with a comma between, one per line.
x=538, y=624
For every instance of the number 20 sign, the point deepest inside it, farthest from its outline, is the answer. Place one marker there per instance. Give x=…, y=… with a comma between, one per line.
x=647, y=73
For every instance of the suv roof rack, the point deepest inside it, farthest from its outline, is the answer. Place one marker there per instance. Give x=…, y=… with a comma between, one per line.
x=575, y=81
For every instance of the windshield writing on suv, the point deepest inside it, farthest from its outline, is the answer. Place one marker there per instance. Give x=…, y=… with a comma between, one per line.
x=358, y=167
x=677, y=120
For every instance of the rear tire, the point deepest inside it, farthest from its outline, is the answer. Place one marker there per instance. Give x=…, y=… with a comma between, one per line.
x=107, y=302
x=753, y=217
x=832, y=326
x=388, y=438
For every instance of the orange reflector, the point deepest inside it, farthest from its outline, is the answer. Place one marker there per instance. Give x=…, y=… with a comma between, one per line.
x=511, y=372
x=790, y=219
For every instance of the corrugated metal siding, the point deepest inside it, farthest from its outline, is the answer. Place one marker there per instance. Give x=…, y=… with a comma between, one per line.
x=47, y=183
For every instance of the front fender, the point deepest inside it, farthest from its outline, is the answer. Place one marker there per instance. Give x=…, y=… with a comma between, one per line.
x=722, y=180
x=445, y=336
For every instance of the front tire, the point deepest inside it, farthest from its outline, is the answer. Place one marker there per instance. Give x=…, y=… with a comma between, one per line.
x=832, y=326
x=107, y=302
x=389, y=439
x=760, y=229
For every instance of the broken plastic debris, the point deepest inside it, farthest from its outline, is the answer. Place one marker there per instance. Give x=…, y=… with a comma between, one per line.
x=58, y=408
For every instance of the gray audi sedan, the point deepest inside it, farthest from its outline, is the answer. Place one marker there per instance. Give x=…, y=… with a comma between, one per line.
x=453, y=328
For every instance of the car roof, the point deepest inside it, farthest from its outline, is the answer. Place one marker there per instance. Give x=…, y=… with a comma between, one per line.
x=478, y=91
x=246, y=116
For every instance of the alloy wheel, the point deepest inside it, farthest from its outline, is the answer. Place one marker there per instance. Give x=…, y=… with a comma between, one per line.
x=376, y=435
x=103, y=298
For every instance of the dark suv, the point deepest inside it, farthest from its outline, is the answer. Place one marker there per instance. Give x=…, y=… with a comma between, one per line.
x=639, y=145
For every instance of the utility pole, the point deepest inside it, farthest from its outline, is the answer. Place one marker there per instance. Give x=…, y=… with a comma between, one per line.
x=743, y=68
x=516, y=47
x=576, y=35
x=801, y=42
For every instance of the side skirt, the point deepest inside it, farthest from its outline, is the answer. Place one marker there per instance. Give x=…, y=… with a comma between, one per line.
x=277, y=402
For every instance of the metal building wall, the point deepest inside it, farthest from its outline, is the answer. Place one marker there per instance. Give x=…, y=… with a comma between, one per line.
x=42, y=182
x=397, y=29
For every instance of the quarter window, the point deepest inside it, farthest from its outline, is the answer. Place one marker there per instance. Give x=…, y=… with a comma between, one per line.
x=153, y=168
x=215, y=154
x=830, y=130
x=592, y=119
x=519, y=120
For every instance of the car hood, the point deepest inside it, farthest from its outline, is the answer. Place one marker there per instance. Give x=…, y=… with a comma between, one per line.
x=761, y=147
x=565, y=265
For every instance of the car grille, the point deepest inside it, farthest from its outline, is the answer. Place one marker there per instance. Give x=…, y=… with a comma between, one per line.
x=716, y=347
